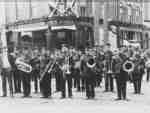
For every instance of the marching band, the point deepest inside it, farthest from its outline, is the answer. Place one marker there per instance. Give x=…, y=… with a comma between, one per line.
x=83, y=70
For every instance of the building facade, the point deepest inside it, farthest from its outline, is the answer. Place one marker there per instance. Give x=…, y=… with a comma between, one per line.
x=33, y=20
x=97, y=22
x=147, y=23
x=127, y=18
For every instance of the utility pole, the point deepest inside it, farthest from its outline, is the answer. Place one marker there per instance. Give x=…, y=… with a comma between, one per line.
x=118, y=28
x=16, y=9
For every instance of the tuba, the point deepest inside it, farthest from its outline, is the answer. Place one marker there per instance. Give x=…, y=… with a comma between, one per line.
x=22, y=66
x=128, y=66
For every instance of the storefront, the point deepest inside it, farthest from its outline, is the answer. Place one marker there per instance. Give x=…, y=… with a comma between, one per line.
x=52, y=32
x=29, y=33
x=73, y=31
x=128, y=32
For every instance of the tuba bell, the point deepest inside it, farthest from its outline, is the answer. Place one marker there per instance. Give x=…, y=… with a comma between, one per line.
x=128, y=66
x=22, y=66
x=91, y=63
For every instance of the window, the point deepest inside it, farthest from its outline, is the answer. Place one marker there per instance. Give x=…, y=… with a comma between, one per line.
x=82, y=11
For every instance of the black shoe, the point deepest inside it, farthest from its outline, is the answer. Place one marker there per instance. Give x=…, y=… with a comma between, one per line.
x=126, y=99
x=26, y=96
x=105, y=91
x=70, y=96
x=44, y=97
x=140, y=93
x=62, y=97
x=4, y=96
x=35, y=92
x=117, y=99
x=92, y=97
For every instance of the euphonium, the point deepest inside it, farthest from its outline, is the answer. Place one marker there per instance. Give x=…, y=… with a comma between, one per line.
x=128, y=66
x=22, y=66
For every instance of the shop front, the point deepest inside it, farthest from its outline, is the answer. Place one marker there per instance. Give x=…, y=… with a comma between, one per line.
x=52, y=32
x=72, y=31
x=128, y=32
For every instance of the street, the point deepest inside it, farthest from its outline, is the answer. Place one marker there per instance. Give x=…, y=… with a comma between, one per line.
x=103, y=103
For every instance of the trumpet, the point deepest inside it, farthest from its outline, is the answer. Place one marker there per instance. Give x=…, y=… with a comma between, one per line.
x=22, y=66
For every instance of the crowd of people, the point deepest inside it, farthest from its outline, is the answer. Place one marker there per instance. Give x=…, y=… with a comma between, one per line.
x=83, y=70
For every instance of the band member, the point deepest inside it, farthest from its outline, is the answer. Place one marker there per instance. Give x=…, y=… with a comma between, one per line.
x=138, y=73
x=45, y=80
x=35, y=63
x=100, y=65
x=58, y=74
x=147, y=64
x=7, y=75
x=76, y=71
x=90, y=79
x=83, y=60
x=57, y=70
x=109, y=85
x=26, y=76
x=66, y=76
x=148, y=74
x=17, y=76
x=120, y=75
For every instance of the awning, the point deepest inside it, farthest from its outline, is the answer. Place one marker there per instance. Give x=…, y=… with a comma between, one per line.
x=30, y=29
x=61, y=27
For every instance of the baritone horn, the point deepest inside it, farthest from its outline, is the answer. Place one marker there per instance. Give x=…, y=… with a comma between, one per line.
x=22, y=66
x=128, y=66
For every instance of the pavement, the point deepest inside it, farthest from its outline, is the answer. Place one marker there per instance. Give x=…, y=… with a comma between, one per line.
x=103, y=103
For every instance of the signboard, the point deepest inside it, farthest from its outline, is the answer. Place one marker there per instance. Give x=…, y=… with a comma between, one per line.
x=71, y=27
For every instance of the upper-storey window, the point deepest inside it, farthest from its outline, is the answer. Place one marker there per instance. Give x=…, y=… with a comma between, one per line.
x=83, y=11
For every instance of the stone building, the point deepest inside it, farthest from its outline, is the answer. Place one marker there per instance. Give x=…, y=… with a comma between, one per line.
x=85, y=24
x=30, y=23
x=147, y=24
